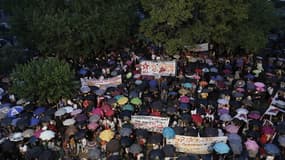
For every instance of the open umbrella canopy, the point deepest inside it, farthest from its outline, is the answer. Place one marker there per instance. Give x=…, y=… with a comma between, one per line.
x=39, y=110
x=34, y=121
x=156, y=154
x=94, y=118
x=68, y=122
x=126, y=141
x=272, y=149
x=128, y=107
x=232, y=128
x=225, y=117
x=28, y=133
x=113, y=146
x=48, y=155
x=168, y=133
x=76, y=112
x=106, y=135
x=251, y=145
x=16, y=137
x=60, y=112
x=94, y=154
x=47, y=135
x=254, y=115
x=155, y=139
x=92, y=126
x=135, y=148
x=14, y=111
x=221, y=148
x=125, y=132
x=187, y=85
x=211, y=132
x=122, y=100
x=259, y=84
x=97, y=111
x=136, y=101
x=71, y=130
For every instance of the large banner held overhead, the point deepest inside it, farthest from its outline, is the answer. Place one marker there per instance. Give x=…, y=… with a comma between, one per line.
x=161, y=68
x=194, y=145
x=114, y=81
x=151, y=123
x=203, y=47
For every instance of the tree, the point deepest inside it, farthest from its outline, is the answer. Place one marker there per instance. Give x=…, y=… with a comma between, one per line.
x=71, y=28
x=224, y=23
x=43, y=80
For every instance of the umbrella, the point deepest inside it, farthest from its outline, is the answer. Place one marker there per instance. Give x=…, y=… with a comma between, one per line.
x=281, y=140
x=184, y=106
x=126, y=141
x=232, y=128
x=156, y=154
x=225, y=117
x=169, y=150
x=68, y=109
x=168, y=133
x=113, y=146
x=106, y=107
x=123, y=100
x=23, y=123
x=16, y=137
x=94, y=154
x=94, y=118
x=223, y=101
x=83, y=71
x=106, y=135
x=71, y=130
x=272, y=149
x=128, y=107
x=242, y=111
x=197, y=119
x=60, y=112
x=221, y=148
x=76, y=112
x=251, y=145
x=183, y=91
x=39, y=110
x=187, y=85
x=157, y=105
x=28, y=133
x=110, y=113
x=184, y=99
x=34, y=121
x=99, y=92
x=97, y=111
x=68, y=122
x=254, y=115
x=81, y=117
x=178, y=130
x=267, y=129
x=6, y=121
x=211, y=132
x=14, y=121
x=14, y=111
x=259, y=85
x=47, y=135
x=143, y=133
x=155, y=139
x=136, y=101
x=85, y=89
x=190, y=131
x=126, y=132
x=92, y=126
x=47, y=155
x=203, y=83
x=135, y=148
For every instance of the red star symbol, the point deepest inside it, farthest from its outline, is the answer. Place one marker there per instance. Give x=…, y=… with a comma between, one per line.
x=145, y=66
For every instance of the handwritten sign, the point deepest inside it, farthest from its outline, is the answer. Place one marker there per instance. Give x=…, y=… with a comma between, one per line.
x=194, y=145
x=162, y=68
x=114, y=81
x=151, y=123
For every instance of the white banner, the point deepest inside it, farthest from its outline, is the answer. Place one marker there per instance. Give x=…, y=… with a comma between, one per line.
x=151, y=123
x=273, y=108
x=203, y=47
x=194, y=145
x=162, y=68
x=114, y=81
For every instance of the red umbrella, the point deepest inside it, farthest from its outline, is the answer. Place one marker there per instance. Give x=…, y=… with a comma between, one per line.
x=197, y=119
x=106, y=107
x=109, y=113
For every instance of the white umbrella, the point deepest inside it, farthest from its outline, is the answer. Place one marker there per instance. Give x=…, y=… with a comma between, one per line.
x=85, y=89
x=223, y=101
x=47, y=135
x=242, y=111
x=60, y=112
x=16, y=137
x=28, y=133
x=68, y=109
x=225, y=117
x=68, y=122
x=75, y=112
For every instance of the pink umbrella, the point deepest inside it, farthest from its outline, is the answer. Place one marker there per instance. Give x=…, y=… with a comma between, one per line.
x=195, y=76
x=240, y=89
x=75, y=112
x=97, y=111
x=259, y=85
x=38, y=133
x=254, y=115
x=260, y=89
x=267, y=130
x=184, y=99
x=251, y=145
x=232, y=128
x=92, y=126
x=106, y=107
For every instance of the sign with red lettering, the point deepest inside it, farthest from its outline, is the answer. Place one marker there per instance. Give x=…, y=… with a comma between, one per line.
x=151, y=123
x=162, y=68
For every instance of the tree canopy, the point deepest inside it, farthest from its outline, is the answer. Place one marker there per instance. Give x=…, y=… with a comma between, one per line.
x=71, y=28
x=226, y=24
x=43, y=80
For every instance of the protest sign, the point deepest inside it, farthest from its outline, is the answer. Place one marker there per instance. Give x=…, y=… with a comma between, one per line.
x=151, y=123
x=203, y=47
x=194, y=145
x=161, y=68
x=114, y=81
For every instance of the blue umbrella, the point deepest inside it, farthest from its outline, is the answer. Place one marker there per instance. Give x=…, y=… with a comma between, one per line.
x=152, y=83
x=128, y=107
x=272, y=149
x=14, y=111
x=34, y=121
x=249, y=76
x=184, y=106
x=156, y=154
x=126, y=132
x=83, y=71
x=221, y=148
x=172, y=93
x=39, y=110
x=168, y=133
x=214, y=70
x=187, y=85
x=14, y=121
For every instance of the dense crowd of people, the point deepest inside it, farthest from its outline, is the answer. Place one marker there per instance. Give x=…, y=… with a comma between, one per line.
x=209, y=96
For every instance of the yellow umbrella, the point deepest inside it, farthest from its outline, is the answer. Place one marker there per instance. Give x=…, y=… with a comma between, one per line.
x=122, y=100
x=106, y=135
x=183, y=91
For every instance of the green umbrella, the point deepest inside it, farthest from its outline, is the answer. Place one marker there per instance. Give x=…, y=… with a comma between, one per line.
x=136, y=101
x=128, y=107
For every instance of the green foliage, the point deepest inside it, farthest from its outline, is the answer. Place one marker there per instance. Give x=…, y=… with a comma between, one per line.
x=42, y=80
x=10, y=56
x=71, y=28
x=226, y=24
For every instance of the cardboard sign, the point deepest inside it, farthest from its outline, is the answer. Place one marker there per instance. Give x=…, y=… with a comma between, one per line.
x=114, y=81
x=161, y=68
x=151, y=123
x=194, y=145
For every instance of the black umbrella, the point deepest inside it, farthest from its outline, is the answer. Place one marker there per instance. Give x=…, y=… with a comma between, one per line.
x=156, y=154
x=113, y=146
x=23, y=123
x=188, y=157
x=211, y=132
x=6, y=121
x=179, y=130
x=34, y=152
x=158, y=105
x=169, y=150
x=186, y=117
x=8, y=147
x=48, y=155
x=190, y=131
x=281, y=127
x=155, y=139
x=126, y=141
x=143, y=133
